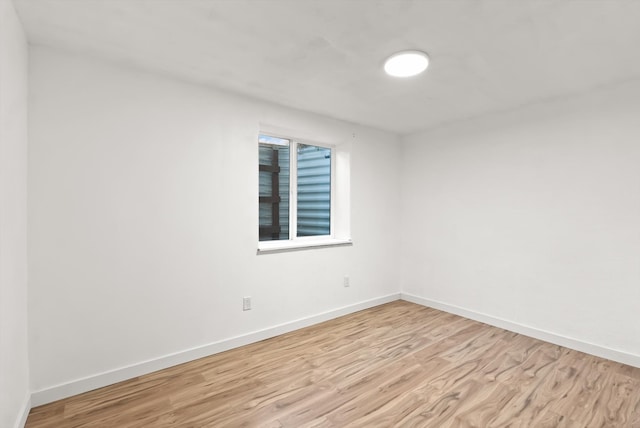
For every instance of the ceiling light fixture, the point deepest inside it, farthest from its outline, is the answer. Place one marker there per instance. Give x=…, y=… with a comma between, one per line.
x=406, y=63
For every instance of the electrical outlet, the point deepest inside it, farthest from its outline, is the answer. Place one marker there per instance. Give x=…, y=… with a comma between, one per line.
x=345, y=281
x=246, y=303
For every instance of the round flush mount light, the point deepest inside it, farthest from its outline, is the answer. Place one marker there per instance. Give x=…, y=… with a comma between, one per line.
x=406, y=63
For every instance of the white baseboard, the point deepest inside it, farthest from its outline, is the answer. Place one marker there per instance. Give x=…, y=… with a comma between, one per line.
x=24, y=412
x=557, y=339
x=79, y=386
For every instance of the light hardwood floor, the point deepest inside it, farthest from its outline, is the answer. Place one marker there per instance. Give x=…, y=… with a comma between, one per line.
x=398, y=364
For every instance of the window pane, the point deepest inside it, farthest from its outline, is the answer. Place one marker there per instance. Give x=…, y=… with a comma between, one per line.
x=314, y=190
x=273, y=188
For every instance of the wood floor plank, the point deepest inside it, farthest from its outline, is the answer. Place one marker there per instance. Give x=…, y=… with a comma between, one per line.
x=395, y=365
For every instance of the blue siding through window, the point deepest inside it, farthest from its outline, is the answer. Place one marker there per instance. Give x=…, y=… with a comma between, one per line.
x=314, y=190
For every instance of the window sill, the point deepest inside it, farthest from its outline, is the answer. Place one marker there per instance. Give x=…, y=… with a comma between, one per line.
x=266, y=247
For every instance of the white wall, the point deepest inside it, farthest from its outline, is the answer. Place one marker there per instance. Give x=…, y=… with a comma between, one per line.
x=533, y=217
x=143, y=219
x=14, y=370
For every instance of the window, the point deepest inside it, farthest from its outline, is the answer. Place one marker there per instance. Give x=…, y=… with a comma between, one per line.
x=296, y=190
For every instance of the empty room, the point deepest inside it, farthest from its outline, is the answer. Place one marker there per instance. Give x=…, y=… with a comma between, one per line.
x=319, y=213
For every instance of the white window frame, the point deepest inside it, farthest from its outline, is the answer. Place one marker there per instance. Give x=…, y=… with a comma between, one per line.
x=295, y=242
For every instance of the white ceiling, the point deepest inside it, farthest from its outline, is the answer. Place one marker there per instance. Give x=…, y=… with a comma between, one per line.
x=326, y=56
